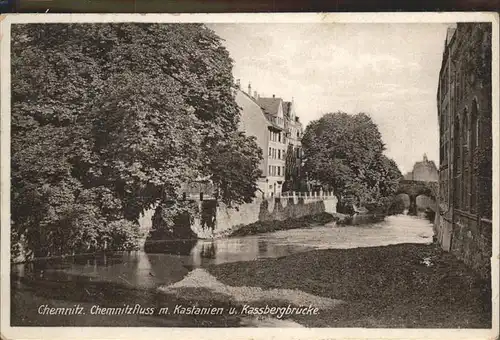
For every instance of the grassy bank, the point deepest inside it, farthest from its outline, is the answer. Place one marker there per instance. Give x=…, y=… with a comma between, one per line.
x=270, y=226
x=389, y=286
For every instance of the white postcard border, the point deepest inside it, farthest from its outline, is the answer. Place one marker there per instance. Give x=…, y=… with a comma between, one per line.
x=234, y=333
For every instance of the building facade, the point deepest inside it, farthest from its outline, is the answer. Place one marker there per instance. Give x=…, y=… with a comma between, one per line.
x=464, y=101
x=423, y=171
x=294, y=178
x=254, y=123
x=272, y=121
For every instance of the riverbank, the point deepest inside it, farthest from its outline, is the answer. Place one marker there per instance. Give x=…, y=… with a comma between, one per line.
x=276, y=225
x=405, y=285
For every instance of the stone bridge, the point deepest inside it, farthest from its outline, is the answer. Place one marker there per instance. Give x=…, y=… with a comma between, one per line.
x=416, y=188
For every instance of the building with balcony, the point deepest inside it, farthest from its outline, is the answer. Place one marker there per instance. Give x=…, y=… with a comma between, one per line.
x=464, y=104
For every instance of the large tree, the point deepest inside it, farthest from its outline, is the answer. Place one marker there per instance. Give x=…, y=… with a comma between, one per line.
x=235, y=168
x=345, y=153
x=108, y=119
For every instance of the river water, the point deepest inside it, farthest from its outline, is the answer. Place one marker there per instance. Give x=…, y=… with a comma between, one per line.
x=173, y=274
x=168, y=261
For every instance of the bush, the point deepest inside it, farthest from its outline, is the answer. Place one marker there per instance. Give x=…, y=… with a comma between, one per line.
x=270, y=226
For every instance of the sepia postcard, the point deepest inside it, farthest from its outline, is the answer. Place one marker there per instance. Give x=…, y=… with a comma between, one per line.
x=248, y=176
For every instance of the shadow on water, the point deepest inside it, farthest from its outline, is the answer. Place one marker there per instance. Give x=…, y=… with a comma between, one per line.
x=29, y=293
x=365, y=219
x=174, y=247
x=120, y=278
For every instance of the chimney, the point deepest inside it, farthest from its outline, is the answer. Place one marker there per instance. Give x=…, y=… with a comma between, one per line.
x=249, y=89
x=238, y=83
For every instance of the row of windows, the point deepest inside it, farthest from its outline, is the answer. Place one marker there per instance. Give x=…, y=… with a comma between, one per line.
x=276, y=137
x=276, y=153
x=295, y=133
x=465, y=141
x=276, y=170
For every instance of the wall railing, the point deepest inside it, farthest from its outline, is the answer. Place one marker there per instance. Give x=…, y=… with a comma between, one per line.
x=308, y=194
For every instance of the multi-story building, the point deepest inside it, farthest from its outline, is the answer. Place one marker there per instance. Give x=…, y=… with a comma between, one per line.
x=293, y=171
x=423, y=171
x=465, y=171
x=272, y=121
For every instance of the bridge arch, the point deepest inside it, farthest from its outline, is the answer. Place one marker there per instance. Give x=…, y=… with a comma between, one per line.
x=415, y=189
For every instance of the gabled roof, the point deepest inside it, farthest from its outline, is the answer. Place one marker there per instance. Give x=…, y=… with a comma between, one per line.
x=270, y=105
x=250, y=109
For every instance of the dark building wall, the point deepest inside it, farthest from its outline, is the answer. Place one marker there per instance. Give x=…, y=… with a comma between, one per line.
x=465, y=173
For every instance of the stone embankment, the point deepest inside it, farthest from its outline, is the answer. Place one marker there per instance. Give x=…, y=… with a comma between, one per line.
x=274, y=213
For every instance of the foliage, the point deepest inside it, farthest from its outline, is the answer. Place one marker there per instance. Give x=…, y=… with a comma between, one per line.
x=396, y=205
x=345, y=153
x=172, y=220
x=108, y=119
x=234, y=163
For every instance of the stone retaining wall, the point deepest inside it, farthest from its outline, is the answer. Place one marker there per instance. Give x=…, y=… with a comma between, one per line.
x=229, y=219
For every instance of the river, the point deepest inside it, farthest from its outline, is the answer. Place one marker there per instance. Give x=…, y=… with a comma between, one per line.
x=171, y=261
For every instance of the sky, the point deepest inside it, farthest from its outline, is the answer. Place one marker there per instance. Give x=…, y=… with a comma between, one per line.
x=389, y=71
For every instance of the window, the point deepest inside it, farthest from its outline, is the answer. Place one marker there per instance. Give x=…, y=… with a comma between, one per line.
x=269, y=170
x=279, y=171
x=465, y=166
x=270, y=152
x=446, y=151
x=279, y=137
x=474, y=144
x=456, y=162
x=279, y=154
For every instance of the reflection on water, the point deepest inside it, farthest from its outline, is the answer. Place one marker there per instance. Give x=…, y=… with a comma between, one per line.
x=168, y=262
x=366, y=219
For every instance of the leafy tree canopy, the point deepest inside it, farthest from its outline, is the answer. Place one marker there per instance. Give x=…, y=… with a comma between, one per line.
x=345, y=153
x=107, y=119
